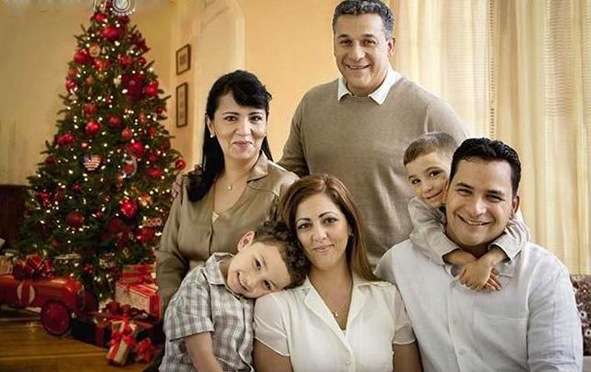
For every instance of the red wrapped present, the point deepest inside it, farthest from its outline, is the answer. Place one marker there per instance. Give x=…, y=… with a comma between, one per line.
x=138, y=274
x=140, y=296
x=33, y=267
x=144, y=351
x=122, y=342
x=149, y=326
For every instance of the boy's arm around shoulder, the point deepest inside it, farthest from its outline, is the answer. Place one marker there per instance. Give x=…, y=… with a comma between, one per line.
x=515, y=236
x=428, y=233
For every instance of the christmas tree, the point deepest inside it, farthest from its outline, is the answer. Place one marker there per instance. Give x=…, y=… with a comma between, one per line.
x=99, y=198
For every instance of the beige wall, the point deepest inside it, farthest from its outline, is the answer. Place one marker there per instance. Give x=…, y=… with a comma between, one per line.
x=288, y=44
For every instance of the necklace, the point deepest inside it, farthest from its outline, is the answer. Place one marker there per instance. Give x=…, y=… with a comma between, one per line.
x=239, y=179
x=335, y=313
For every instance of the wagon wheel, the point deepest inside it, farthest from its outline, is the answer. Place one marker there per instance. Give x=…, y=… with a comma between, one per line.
x=55, y=317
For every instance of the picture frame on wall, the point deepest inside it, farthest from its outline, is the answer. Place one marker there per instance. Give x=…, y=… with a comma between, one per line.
x=183, y=59
x=182, y=105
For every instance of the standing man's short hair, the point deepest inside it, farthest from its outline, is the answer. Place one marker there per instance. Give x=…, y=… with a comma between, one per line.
x=488, y=150
x=359, y=7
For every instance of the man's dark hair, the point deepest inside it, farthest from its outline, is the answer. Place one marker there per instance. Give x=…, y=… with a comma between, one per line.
x=292, y=252
x=359, y=7
x=488, y=150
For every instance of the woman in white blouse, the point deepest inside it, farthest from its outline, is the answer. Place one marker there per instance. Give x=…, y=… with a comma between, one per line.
x=343, y=318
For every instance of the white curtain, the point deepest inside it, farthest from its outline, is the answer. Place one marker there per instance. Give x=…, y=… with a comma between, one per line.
x=518, y=71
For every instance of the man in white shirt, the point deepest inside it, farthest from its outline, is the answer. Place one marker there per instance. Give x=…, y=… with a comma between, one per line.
x=531, y=324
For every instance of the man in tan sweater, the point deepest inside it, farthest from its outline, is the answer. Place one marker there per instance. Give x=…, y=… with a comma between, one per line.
x=358, y=126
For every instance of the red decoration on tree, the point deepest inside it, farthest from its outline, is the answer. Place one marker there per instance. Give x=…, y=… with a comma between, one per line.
x=65, y=139
x=154, y=173
x=115, y=121
x=137, y=148
x=92, y=127
x=126, y=134
x=151, y=89
x=81, y=57
x=50, y=160
x=76, y=187
x=111, y=33
x=89, y=109
x=128, y=208
x=75, y=219
x=180, y=164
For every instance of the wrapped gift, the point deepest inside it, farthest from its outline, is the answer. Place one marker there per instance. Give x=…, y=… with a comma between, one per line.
x=92, y=330
x=144, y=351
x=138, y=274
x=140, y=296
x=123, y=333
x=150, y=327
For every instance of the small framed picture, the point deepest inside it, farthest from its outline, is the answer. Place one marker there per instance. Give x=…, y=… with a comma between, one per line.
x=182, y=105
x=183, y=59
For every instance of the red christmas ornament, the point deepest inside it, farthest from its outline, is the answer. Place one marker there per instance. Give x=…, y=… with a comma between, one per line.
x=136, y=148
x=126, y=134
x=142, y=61
x=145, y=234
x=134, y=84
x=106, y=198
x=152, y=157
x=154, y=173
x=72, y=73
x=65, y=139
x=50, y=160
x=101, y=64
x=100, y=17
x=111, y=33
x=128, y=208
x=90, y=80
x=151, y=89
x=124, y=19
x=92, y=127
x=76, y=187
x=142, y=117
x=125, y=61
x=71, y=85
x=165, y=144
x=99, y=214
x=44, y=198
x=75, y=219
x=160, y=110
x=180, y=164
x=81, y=57
x=89, y=109
x=115, y=121
x=151, y=132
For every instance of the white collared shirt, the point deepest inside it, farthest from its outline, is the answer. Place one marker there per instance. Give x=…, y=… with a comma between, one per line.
x=531, y=324
x=379, y=95
x=298, y=324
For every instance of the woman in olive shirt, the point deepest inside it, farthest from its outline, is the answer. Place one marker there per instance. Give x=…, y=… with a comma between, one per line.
x=236, y=187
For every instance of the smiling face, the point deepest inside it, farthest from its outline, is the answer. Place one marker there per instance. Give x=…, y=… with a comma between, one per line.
x=428, y=175
x=362, y=52
x=257, y=269
x=240, y=130
x=323, y=231
x=479, y=203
